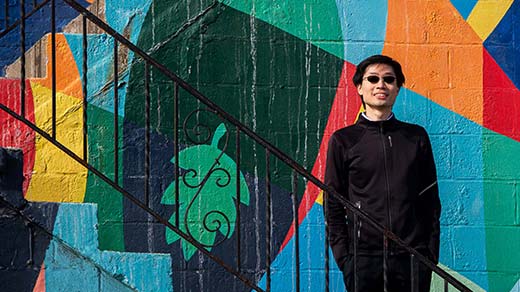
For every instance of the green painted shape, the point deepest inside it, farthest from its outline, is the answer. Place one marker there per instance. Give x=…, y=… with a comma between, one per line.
x=501, y=196
x=310, y=20
x=109, y=201
x=216, y=198
x=275, y=83
x=438, y=282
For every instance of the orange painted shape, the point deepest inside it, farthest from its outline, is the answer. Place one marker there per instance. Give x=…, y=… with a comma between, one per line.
x=40, y=282
x=440, y=53
x=68, y=80
x=344, y=112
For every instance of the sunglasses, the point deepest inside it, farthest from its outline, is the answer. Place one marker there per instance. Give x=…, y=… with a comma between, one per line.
x=375, y=79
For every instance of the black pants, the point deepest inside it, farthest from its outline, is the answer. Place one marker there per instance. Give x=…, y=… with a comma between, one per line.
x=370, y=274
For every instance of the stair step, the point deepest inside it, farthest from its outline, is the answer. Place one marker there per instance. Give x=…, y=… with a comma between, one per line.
x=76, y=225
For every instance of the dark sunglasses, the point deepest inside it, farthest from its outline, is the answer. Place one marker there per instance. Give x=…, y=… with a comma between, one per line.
x=375, y=79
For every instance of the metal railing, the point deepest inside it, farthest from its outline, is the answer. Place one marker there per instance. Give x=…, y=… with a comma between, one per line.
x=194, y=129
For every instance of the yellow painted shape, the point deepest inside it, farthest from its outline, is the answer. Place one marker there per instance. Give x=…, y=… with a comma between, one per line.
x=486, y=15
x=319, y=199
x=57, y=177
x=68, y=80
x=440, y=53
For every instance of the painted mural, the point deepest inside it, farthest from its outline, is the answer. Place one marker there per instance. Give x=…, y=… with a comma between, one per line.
x=284, y=69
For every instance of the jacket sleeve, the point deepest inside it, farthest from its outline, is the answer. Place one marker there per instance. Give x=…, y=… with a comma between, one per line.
x=430, y=197
x=335, y=177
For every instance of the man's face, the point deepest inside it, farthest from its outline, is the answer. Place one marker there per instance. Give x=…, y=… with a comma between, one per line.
x=378, y=93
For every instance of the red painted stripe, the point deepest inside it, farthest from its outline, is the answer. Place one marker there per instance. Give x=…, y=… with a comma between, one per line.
x=344, y=111
x=15, y=133
x=501, y=100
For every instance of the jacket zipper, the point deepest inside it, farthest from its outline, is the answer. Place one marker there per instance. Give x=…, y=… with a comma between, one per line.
x=389, y=216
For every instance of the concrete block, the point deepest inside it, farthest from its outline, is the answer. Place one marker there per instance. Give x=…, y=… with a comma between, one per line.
x=462, y=202
x=469, y=249
x=467, y=156
x=500, y=207
x=446, y=255
x=76, y=224
x=441, y=145
x=500, y=156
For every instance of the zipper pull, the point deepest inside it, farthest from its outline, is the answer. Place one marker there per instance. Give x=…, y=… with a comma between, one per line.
x=390, y=141
x=358, y=227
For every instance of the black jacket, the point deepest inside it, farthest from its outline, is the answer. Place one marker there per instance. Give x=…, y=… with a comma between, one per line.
x=385, y=168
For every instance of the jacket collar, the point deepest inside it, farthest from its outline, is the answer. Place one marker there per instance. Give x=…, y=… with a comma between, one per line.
x=363, y=121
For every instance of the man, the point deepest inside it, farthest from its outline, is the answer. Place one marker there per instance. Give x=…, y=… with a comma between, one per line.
x=385, y=167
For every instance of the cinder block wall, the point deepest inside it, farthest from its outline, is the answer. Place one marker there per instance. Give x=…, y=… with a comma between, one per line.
x=284, y=69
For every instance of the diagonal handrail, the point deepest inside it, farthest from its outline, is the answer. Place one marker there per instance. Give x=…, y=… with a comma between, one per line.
x=271, y=148
x=214, y=108
x=10, y=26
x=31, y=223
x=129, y=196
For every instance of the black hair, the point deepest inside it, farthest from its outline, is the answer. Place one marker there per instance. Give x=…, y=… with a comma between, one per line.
x=378, y=59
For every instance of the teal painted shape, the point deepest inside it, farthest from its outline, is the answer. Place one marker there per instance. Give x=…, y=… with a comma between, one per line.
x=100, y=63
x=127, y=17
x=67, y=270
x=464, y=6
x=76, y=225
x=211, y=207
x=363, y=24
x=457, y=147
x=312, y=255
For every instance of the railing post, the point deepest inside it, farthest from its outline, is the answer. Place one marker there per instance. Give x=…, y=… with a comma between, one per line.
x=22, y=58
x=296, y=230
x=85, y=88
x=326, y=212
x=238, y=200
x=6, y=2
x=413, y=274
x=147, y=135
x=356, y=230
x=53, y=65
x=176, y=148
x=385, y=263
x=116, y=113
x=268, y=218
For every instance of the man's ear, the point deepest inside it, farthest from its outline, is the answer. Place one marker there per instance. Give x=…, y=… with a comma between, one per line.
x=359, y=89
